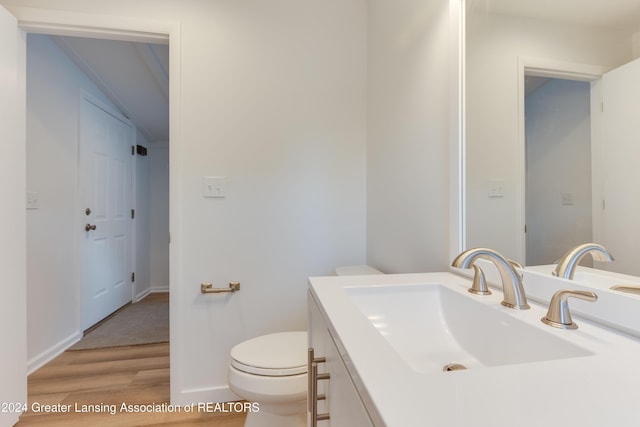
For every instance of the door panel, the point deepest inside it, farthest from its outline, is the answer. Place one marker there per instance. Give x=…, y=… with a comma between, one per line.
x=621, y=154
x=105, y=176
x=13, y=264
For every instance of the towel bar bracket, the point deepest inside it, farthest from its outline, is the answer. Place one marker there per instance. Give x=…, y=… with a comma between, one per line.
x=207, y=288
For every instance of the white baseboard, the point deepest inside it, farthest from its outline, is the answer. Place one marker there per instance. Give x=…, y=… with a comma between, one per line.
x=159, y=288
x=142, y=295
x=52, y=352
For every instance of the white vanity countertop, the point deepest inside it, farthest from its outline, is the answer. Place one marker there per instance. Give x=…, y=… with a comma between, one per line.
x=598, y=390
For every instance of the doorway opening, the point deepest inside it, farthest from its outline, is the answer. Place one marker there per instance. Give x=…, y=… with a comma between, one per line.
x=558, y=205
x=60, y=80
x=548, y=79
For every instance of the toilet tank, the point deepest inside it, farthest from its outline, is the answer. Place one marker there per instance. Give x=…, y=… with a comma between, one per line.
x=356, y=270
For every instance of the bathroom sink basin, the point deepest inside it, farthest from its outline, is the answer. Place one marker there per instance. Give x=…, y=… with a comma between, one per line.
x=433, y=327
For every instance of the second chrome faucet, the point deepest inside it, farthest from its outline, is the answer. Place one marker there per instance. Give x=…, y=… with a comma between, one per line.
x=513, y=291
x=567, y=264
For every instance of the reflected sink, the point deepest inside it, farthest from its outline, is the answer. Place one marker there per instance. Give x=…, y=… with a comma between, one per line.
x=430, y=326
x=598, y=279
x=607, y=280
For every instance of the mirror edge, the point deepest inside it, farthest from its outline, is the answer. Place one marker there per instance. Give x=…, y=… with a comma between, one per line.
x=456, y=129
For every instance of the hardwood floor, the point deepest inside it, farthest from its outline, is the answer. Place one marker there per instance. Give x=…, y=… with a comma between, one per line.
x=108, y=378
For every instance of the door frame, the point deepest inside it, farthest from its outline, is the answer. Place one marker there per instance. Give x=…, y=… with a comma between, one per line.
x=14, y=222
x=68, y=23
x=543, y=67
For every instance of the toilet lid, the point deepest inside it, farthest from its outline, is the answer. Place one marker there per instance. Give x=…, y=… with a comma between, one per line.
x=280, y=354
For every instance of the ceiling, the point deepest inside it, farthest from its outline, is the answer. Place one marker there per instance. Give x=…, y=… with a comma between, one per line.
x=532, y=83
x=135, y=77
x=620, y=14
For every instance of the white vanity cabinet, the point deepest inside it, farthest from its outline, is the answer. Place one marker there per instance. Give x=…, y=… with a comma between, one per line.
x=336, y=394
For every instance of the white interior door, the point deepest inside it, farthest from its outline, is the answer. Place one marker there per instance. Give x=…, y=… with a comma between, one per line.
x=621, y=166
x=105, y=194
x=13, y=264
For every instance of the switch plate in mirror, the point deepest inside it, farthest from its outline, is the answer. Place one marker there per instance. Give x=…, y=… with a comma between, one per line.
x=214, y=186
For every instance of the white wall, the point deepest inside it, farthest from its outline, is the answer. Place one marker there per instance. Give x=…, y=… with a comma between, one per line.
x=159, y=216
x=273, y=98
x=53, y=90
x=558, y=141
x=493, y=45
x=408, y=131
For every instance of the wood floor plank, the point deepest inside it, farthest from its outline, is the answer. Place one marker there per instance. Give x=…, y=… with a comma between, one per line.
x=99, y=368
x=112, y=354
x=81, y=384
x=135, y=419
x=130, y=375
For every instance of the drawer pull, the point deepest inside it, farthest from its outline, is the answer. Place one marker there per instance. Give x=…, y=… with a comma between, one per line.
x=313, y=395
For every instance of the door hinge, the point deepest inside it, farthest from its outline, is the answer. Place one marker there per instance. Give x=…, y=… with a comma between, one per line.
x=133, y=213
x=133, y=150
x=133, y=277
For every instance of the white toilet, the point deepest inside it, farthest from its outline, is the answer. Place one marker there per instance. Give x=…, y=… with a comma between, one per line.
x=271, y=370
x=356, y=270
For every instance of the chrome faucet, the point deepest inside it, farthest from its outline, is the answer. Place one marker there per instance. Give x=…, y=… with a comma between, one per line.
x=567, y=264
x=512, y=288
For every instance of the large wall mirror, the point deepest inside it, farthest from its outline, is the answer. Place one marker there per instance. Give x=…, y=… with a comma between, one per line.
x=552, y=128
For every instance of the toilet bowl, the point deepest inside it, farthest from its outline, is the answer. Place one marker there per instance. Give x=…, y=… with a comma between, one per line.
x=271, y=370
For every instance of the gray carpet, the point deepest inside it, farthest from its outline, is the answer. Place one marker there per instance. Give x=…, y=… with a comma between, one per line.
x=145, y=322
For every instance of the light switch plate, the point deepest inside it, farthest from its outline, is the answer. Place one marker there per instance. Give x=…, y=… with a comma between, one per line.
x=214, y=187
x=566, y=198
x=32, y=200
x=496, y=188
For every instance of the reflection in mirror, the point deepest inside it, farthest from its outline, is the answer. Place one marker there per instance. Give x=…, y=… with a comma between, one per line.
x=558, y=167
x=536, y=187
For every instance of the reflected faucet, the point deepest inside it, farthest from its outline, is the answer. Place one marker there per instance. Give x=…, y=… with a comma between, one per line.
x=512, y=288
x=567, y=264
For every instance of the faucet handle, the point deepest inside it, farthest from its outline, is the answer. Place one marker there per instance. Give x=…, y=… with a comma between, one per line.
x=558, y=314
x=516, y=264
x=479, y=285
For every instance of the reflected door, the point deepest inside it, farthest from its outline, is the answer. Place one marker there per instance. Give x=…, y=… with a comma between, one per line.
x=621, y=167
